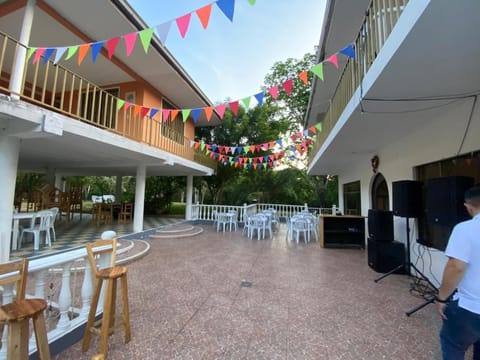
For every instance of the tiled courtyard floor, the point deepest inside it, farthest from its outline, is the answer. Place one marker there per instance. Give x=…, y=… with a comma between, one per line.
x=305, y=302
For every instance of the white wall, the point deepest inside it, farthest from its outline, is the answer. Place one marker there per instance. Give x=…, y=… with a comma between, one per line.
x=428, y=142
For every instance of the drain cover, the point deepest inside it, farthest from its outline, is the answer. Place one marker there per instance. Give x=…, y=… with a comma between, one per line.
x=246, y=283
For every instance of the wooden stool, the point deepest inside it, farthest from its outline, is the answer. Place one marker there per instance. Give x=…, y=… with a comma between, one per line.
x=110, y=275
x=18, y=313
x=126, y=214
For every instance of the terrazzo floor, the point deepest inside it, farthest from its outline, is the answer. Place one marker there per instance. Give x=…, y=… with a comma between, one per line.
x=305, y=302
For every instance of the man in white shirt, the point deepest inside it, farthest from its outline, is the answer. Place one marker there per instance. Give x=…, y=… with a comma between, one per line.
x=461, y=316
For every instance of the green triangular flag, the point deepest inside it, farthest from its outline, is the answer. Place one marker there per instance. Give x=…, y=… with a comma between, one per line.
x=319, y=127
x=246, y=149
x=202, y=147
x=246, y=102
x=207, y=152
x=71, y=51
x=185, y=113
x=318, y=70
x=30, y=52
x=252, y=2
x=145, y=38
x=120, y=103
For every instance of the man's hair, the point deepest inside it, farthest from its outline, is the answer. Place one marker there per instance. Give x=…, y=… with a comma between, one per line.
x=472, y=196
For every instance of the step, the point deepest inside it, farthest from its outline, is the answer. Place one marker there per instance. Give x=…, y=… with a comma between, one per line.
x=177, y=231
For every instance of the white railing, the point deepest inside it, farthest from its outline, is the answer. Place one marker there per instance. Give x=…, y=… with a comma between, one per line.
x=65, y=281
x=207, y=212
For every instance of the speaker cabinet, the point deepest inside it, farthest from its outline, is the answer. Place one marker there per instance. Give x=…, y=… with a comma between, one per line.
x=407, y=198
x=384, y=257
x=380, y=225
x=445, y=199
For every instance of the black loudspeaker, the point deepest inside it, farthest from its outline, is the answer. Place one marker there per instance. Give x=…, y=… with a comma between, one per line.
x=384, y=257
x=445, y=199
x=407, y=198
x=380, y=225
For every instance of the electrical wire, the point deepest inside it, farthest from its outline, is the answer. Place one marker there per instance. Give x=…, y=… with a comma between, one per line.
x=468, y=124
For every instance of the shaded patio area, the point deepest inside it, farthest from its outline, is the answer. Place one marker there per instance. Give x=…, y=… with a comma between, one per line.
x=305, y=302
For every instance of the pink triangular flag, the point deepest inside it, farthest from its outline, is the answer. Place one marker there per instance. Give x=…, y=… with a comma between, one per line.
x=274, y=92
x=165, y=114
x=221, y=110
x=112, y=45
x=182, y=23
x=38, y=53
x=333, y=59
x=130, y=40
x=234, y=107
x=287, y=86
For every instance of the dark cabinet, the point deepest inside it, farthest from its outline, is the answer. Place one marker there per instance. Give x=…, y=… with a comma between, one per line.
x=342, y=231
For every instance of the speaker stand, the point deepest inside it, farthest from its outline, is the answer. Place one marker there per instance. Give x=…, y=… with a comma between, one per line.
x=408, y=265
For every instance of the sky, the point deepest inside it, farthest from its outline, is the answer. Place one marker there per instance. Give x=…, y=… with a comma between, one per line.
x=229, y=60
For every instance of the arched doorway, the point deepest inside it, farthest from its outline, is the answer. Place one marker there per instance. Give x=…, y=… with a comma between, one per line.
x=380, y=198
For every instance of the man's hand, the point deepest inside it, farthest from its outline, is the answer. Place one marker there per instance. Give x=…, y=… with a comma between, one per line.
x=441, y=309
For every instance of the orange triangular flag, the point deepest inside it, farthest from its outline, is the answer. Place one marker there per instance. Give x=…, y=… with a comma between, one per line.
x=173, y=114
x=136, y=110
x=208, y=112
x=197, y=145
x=82, y=52
x=252, y=148
x=272, y=144
x=313, y=129
x=304, y=77
x=204, y=15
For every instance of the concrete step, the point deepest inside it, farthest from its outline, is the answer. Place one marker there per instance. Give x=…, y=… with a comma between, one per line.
x=177, y=231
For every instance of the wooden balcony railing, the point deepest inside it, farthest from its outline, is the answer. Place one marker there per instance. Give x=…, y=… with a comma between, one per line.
x=54, y=87
x=380, y=19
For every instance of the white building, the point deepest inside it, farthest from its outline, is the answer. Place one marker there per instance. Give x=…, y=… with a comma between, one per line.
x=409, y=98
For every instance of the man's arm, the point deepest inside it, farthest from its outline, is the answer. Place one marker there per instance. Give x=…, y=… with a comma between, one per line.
x=453, y=273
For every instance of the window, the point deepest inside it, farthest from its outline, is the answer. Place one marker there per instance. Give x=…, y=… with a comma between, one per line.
x=174, y=128
x=99, y=106
x=351, y=198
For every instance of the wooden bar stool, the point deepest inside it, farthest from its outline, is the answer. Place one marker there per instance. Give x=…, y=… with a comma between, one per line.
x=18, y=313
x=110, y=275
x=126, y=214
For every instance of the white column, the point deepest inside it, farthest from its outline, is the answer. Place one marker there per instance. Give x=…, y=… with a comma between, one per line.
x=17, y=76
x=9, y=150
x=118, y=189
x=139, y=198
x=189, y=199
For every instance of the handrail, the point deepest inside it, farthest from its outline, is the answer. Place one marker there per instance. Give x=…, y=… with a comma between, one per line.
x=54, y=87
x=380, y=19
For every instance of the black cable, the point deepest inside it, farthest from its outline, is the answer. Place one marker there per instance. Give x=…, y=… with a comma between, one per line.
x=468, y=124
x=428, y=98
x=413, y=111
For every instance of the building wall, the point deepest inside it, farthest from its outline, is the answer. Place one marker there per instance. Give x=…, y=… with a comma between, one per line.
x=433, y=140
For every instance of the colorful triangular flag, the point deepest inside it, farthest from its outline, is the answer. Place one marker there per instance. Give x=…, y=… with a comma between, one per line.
x=287, y=86
x=318, y=70
x=304, y=77
x=130, y=40
x=221, y=110
x=259, y=98
x=162, y=31
x=30, y=52
x=274, y=91
x=145, y=37
x=195, y=114
x=208, y=112
x=182, y=24
x=112, y=45
x=59, y=54
x=234, y=107
x=333, y=59
x=204, y=15
x=348, y=50
x=38, y=53
x=227, y=7
x=246, y=102
x=96, y=47
x=153, y=112
x=47, y=54
x=82, y=52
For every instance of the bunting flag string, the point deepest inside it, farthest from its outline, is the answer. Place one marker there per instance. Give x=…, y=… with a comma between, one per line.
x=226, y=7
x=287, y=87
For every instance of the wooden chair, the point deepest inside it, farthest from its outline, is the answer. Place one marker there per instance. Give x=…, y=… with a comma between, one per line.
x=126, y=214
x=110, y=275
x=18, y=313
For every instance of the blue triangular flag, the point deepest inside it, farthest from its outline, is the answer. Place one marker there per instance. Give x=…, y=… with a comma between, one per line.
x=348, y=51
x=195, y=113
x=227, y=7
x=279, y=142
x=214, y=148
x=46, y=55
x=153, y=111
x=162, y=31
x=240, y=149
x=259, y=98
x=265, y=158
x=96, y=47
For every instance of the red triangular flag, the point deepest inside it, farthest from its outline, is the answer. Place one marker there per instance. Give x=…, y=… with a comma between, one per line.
x=204, y=15
x=287, y=86
x=182, y=24
x=144, y=111
x=234, y=107
x=208, y=112
x=112, y=45
x=304, y=77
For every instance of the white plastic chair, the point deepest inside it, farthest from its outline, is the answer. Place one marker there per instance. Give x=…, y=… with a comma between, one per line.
x=258, y=224
x=45, y=217
x=223, y=220
x=233, y=219
x=301, y=226
x=54, y=211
